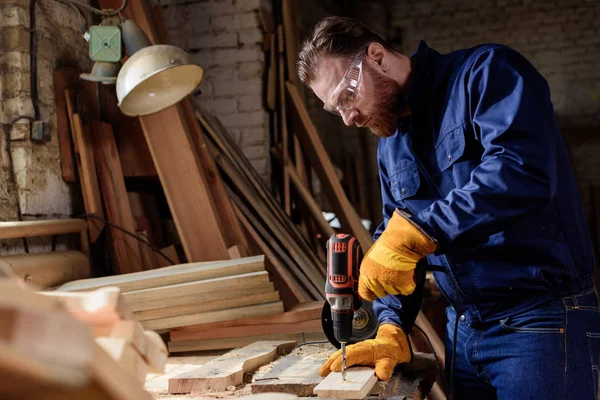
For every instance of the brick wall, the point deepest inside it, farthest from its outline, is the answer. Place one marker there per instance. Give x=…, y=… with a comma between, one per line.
x=31, y=184
x=225, y=38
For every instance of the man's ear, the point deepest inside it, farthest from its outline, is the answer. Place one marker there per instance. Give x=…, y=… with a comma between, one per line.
x=377, y=54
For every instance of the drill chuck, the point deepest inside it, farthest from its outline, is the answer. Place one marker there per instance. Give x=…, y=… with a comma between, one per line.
x=342, y=326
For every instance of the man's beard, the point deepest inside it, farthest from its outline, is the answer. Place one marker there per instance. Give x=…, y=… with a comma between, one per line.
x=388, y=105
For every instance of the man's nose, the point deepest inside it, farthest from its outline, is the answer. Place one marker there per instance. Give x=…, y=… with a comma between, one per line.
x=348, y=116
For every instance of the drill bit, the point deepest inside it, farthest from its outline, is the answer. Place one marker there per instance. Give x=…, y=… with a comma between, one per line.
x=343, y=361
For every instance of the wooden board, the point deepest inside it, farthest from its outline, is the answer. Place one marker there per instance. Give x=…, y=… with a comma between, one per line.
x=197, y=307
x=312, y=326
x=292, y=374
x=156, y=352
x=125, y=249
x=171, y=275
x=228, y=369
x=302, y=312
x=19, y=229
x=221, y=315
x=65, y=78
x=84, y=155
x=314, y=149
x=283, y=122
x=203, y=298
x=232, y=343
x=182, y=289
x=269, y=396
x=45, y=270
x=123, y=353
x=359, y=382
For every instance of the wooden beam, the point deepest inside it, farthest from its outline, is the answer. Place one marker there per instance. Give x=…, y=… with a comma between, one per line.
x=220, y=304
x=292, y=374
x=65, y=78
x=313, y=146
x=171, y=275
x=19, y=229
x=125, y=249
x=228, y=369
x=283, y=123
x=45, y=270
x=359, y=382
x=216, y=316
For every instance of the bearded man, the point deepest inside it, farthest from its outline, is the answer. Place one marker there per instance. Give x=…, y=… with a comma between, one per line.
x=474, y=177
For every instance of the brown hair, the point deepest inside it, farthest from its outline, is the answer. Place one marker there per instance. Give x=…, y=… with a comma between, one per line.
x=334, y=36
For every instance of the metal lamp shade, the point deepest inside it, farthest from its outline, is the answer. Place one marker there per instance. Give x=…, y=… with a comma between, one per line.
x=155, y=78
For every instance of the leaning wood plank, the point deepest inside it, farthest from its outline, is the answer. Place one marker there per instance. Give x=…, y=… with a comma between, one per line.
x=197, y=307
x=313, y=146
x=45, y=270
x=125, y=249
x=300, y=313
x=283, y=122
x=171, y=275
x=228, y=369
x=19, y=229
x=312, y=326
x=221, y=315
x=359, y=382
x=65, y=78
x=291, y=374
x=232, y=343
x=203, y=298
x=182, y=289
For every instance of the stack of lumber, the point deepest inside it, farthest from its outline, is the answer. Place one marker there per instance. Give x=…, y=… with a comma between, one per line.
x=193, y=293
x=302, y=323
x=48, y=349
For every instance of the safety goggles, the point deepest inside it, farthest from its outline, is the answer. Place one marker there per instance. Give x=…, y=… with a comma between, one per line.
x=346, y=93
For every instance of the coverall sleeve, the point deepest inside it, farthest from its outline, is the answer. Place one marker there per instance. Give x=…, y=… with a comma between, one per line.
x=512, y=118
x=397, y=310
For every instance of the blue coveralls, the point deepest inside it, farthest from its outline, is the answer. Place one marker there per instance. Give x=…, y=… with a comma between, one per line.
x=481, y=166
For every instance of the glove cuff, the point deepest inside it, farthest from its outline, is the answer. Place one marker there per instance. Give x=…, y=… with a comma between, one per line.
x=394, y=334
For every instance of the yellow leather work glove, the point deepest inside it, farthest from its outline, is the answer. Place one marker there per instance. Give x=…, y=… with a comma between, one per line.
x=389, y=265
x=389, y=348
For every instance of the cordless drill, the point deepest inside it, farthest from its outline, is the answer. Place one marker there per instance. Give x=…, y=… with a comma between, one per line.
x=341, y=288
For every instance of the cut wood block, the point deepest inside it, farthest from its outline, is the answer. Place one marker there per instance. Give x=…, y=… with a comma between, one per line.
x=221, y=315
x=301, y=312
x=228, y=369
x=101, y=307
x=133, y=333
x=204, y=297
x=292, y=374
x=157, y=353
x=171, y=275
x=312, y=326
x=123, y=352
x=231, y=343
x=359, y=382
x=45, y=270
x=182, y=289
x=84, y=155
x=197, y=307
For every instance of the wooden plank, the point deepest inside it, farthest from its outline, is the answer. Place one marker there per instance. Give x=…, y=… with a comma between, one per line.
x=182, y=289
x=271, y=74
x=171, y=275
x=196, y=307
x=231, y=232
x=84, y=155
x=19, y=229
x=269, y=396
x=302, y=312
x=203, y=298
x=45, y=270
x=178, y=165
x=125, y=252
x=312, y=326
x=292, y=374
x=157, y=353
x=313, y=146
x=216, y=316
x=359, y=382
x=434, y=338
x=125, y=355
x=228, y=369
x=170, y=252
x=133, y=333
x=231, y=343
x=65, y=78
x=145, y=212
x=283, y=123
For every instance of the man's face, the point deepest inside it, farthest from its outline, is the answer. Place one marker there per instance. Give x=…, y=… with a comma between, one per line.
x=379, y=100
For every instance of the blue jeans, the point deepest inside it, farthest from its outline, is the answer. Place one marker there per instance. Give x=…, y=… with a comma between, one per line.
x=547, y=353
